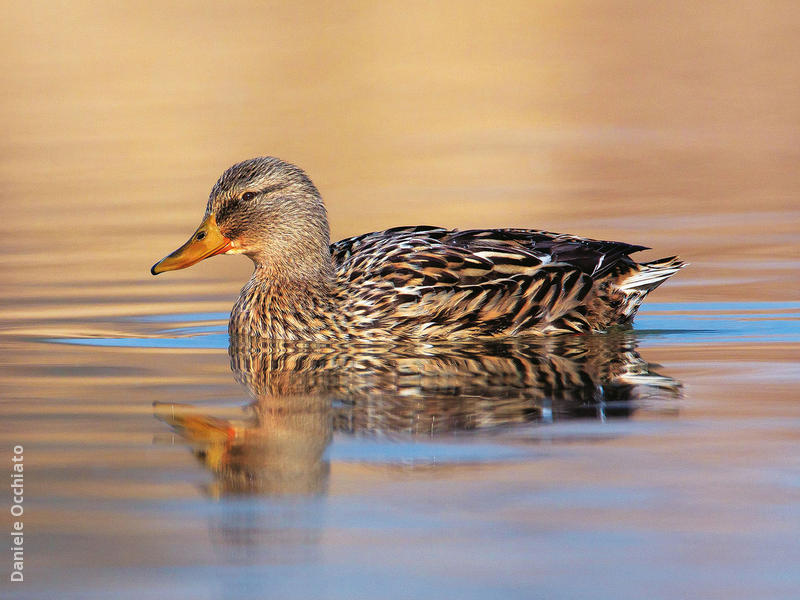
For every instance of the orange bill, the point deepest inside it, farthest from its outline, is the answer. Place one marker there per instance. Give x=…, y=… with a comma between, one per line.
x=205, y=242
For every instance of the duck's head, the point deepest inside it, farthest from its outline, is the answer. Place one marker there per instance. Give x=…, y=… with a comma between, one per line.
x=267, y=209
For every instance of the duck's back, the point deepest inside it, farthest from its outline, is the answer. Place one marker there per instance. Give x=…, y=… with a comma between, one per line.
x=430, y=282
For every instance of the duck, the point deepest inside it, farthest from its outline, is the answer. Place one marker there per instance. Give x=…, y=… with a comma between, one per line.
x=405, y=284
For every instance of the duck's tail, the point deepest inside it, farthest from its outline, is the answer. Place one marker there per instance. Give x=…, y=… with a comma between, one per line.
x=641, y=282
x=651, y=274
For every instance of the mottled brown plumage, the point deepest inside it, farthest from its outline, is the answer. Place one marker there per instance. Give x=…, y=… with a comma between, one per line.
x=406, y=283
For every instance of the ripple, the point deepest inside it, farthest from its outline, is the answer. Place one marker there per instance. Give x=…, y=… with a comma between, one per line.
x=421, y=453
x=719, y=323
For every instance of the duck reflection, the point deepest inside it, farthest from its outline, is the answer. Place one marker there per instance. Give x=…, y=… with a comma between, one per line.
x=302, y=393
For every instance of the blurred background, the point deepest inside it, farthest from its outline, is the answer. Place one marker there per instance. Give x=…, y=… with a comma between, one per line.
x=671, y=124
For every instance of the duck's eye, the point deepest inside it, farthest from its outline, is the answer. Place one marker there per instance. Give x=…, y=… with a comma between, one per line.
x=248, y=196
x=200, y=236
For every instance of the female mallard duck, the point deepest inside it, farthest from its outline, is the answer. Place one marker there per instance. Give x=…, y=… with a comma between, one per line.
x=406, y=283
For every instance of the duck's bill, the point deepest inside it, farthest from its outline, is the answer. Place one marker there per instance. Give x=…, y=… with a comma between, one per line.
x=207, y=241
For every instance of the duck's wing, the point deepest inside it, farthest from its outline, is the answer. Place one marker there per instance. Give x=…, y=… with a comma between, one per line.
x=436, y=282
x=425, y=256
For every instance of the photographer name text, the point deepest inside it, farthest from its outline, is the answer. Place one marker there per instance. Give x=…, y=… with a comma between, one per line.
x=17, y=535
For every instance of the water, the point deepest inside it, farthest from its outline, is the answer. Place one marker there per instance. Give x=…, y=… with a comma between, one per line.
x=660, y=462
x=457, y=472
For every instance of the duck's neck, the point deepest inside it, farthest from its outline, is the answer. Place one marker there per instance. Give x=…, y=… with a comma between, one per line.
x=275, y=306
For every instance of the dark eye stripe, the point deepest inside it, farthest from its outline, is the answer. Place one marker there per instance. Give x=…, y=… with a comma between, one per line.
x=247, y=196
x=235, y=204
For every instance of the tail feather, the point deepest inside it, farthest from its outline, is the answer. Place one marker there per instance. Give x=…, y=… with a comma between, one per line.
x=651, y=275
x=643, y=281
